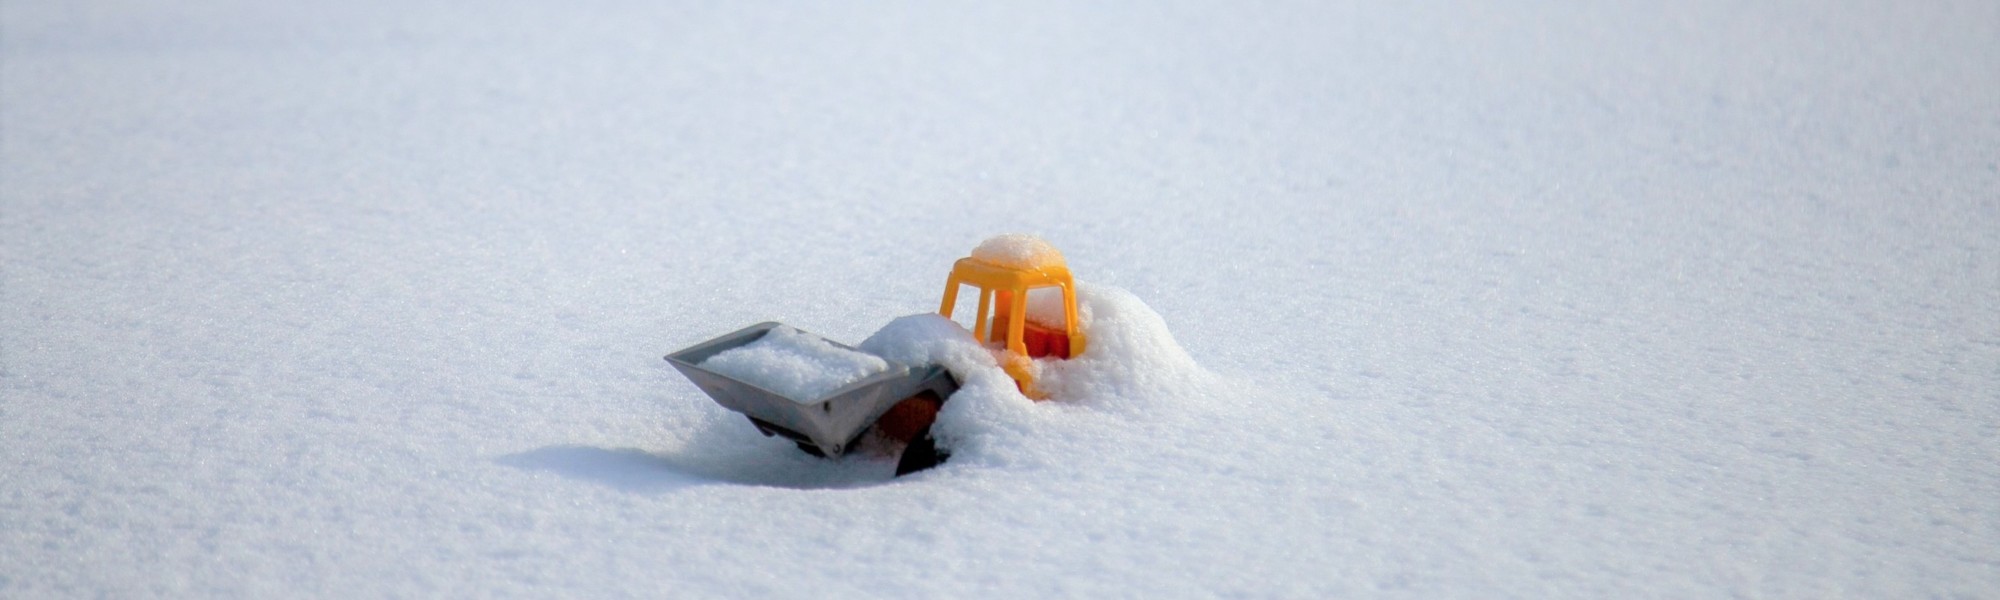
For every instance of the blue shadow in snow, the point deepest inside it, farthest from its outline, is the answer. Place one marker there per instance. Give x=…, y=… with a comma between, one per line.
x=628, y=469
x=759, y=463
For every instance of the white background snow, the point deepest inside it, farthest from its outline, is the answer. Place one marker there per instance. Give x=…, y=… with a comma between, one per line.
x=1500, y=299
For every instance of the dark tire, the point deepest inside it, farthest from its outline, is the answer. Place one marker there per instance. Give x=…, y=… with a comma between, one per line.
x=809, y=448
x=922, y=453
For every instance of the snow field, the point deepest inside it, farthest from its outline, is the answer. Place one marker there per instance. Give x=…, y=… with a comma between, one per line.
x=1489, y=299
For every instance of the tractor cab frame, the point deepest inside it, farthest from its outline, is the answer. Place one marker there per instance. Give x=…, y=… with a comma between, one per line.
x=1002, y=317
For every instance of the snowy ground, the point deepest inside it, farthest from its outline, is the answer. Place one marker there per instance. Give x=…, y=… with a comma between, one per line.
x=1490, y=299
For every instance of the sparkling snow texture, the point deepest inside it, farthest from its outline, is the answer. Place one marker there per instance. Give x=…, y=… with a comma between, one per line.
x=1490, y=299
x=797, y=365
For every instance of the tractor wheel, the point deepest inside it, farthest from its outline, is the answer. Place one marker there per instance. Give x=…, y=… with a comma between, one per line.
x=922, y=453
x=907, y=420
x=810, y=448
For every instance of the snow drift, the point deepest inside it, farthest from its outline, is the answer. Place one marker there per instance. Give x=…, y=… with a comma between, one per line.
x=1131, y=366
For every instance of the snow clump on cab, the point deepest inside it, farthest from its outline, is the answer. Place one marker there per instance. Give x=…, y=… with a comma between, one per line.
x=1018, y=251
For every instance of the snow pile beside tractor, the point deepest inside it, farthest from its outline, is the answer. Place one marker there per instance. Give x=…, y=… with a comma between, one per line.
x=1134, y=370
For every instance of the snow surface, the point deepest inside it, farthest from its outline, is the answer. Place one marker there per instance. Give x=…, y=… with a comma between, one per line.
x=1488, y=299
x=800, y=366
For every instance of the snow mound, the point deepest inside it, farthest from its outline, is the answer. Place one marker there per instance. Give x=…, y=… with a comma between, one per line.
x=1129, y=355
x=931, y=338
x=1018, y=251
x=797, y=365
x=1131, y=365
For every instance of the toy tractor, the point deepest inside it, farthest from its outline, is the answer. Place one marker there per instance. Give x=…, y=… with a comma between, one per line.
x=903, y=401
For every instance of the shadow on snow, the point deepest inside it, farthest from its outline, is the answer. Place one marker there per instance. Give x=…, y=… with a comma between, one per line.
x=733, y=458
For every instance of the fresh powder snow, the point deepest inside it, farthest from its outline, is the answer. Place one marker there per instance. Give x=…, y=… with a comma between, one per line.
x=800, y=366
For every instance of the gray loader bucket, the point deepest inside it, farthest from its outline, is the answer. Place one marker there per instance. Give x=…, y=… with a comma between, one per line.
x=830, y=424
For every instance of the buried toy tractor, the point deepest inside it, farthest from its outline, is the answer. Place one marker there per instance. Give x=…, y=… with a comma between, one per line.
x=901, y=401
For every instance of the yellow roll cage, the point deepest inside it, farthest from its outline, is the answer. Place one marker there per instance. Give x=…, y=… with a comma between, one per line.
x=991, y=278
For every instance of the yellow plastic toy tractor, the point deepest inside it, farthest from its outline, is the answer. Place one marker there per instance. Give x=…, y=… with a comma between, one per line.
x=903, y=400
x=1004, y=275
